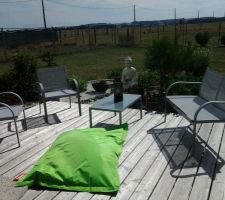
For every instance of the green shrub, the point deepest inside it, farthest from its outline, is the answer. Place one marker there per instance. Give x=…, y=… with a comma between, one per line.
x=23, y=75
x=21, y=79
x=115, y=74
x=82, y=83
x=202, y=38
x=173, y=60
x=147, y=78
x=164, y=57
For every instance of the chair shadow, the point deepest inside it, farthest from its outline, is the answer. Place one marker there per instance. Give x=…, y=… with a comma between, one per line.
x=35, y=122
x=177, y=151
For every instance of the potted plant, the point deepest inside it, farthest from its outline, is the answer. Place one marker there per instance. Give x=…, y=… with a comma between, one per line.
x=100, y=85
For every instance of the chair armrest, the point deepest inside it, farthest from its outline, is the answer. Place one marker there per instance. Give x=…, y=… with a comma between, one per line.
x=8, y=107
x=75, y=82
x=179, y=82
x=14, y=94
x=204, y=105
x=41, y=89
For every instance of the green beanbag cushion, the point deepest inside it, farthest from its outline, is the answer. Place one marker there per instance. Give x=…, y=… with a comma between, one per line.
x=80, y=160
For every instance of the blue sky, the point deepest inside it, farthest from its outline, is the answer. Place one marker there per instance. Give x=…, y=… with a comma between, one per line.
x=28, y=13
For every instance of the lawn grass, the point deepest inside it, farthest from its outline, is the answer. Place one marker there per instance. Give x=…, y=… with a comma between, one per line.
x=96, y=63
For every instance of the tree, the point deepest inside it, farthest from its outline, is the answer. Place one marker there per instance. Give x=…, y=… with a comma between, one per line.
x=162, y=56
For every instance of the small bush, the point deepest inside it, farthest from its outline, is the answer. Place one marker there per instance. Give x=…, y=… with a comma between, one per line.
x=21, y=79
x=23, y=75
x=147, y=78
x=173, y=60
x=115, y=74
x=82, y=83
x=202, y=38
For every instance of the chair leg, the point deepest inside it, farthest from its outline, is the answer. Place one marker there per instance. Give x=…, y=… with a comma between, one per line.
x=165, y=111
x=194, y=138
x=25, y=120
x=45, y=110
x=17, y=134
x=79, y=104
x=70, y=100
x=39, y=106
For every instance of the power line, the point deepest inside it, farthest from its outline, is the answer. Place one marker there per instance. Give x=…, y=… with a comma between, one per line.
x=21, y=1
x=86, y=7
x=154, y=9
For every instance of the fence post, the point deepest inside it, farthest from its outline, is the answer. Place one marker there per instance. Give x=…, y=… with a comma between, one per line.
x=158, y=31
x=95, y=36
x=140, y=31
x=4, y=44
x=89, y=36
x=186, y=27
x=82, y=33
x=128, y=34
x=53, y=38
x=219, y=38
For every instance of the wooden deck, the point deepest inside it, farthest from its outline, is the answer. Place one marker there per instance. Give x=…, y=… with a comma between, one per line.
x=151, y=165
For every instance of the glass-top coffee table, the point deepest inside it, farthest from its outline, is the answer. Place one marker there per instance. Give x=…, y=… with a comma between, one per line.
x=107, y=104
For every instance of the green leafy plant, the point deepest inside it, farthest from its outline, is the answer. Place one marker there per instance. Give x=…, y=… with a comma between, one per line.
x=82, y=83
x=162, y=56
x=22, y=77
x=173, y=60
x=202, y=38
x=115, y=74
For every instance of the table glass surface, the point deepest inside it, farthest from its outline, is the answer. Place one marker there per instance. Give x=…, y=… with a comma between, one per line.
x=107, y=103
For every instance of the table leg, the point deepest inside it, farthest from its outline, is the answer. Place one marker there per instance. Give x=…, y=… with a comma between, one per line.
x=90, y=117
x=120, y=116
x=141, y=108
x=114, y=113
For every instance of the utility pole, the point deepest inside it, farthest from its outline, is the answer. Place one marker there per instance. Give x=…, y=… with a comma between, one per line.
x=175, y=25
x=134, y=23
x=134, y=16
x=200, y=26
x=43, y=10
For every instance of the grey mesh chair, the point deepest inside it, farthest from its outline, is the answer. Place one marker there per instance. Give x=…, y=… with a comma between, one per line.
x=53, y=84
x=206, y=107
x=12, y=112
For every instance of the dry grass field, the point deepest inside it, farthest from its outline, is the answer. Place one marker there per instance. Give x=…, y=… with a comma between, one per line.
x=91, y=53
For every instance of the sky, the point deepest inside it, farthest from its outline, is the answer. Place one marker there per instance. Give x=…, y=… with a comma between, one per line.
x=28, y=13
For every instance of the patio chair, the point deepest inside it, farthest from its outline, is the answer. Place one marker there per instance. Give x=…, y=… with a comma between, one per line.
x=206, y=107
x=53, y=84
x=12, y=112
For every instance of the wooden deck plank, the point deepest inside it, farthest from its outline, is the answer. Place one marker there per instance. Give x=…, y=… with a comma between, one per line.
x=131, y=161
x=164, y=135
x=201, y=186
x=32, y=143
x=12, y=144
x=218, y=185
x=187, y=176
x=151, y=165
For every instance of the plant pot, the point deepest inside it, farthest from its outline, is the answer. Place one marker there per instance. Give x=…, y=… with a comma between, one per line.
x=100, y=87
